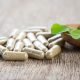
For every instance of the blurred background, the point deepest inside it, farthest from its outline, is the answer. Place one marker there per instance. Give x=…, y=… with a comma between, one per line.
x=23, y=13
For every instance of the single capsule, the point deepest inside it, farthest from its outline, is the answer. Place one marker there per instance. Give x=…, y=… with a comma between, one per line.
x=45, y=34
x=32, y=31
x=43, y=40
x=2, y=49
x=10, y=44
x=12, y=55
x=54, y=37
x=31, y=37
x=59, y=41
x=14, y=33
x=42, y=28
x=21, y=36
x=33, y=53
x=40, y=46
x=28, y=43
x=19, y=46
x=3, y=40
x=55, y=50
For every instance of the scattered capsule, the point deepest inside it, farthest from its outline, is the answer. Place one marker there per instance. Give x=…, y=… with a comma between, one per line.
x=14, y=33
x=33, y=53
x=45, y=34
x=10, y=44
x=19, y=46
x=44, y=29
x=33, y=31
x=28, y=43
x=12, y=55
x=43, y=40
x=21, y=36
x=31, y=37
x=40, y=46
x=55, y=50
x=3, y=40
x=54, y=37
x=2, y=49
x=59, y=41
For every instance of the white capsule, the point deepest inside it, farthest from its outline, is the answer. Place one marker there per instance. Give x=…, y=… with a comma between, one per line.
x=45, y=34
x=10, y=44
x=31, y=37
x=43, y=40
x=14, y=33
x=44, y=29
x=28, y=43
x=3, y=40
x=55, y=50
x=32, y=31
x=2, y=49
x=33, y=53
x=19, y=46
x=54, y=37
x=12, y=55
x=59, y=41
x=40, y=46
x=21, y=36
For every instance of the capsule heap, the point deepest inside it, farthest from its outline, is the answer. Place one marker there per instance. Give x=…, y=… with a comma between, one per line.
x=34, y=42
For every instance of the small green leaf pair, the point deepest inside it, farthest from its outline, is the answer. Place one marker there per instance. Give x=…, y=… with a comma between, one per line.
x=58, y=28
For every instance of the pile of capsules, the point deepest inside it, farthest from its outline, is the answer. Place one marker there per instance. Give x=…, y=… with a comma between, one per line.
x=34, y=42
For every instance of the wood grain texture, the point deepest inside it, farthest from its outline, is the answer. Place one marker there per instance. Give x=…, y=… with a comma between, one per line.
x=23, y=13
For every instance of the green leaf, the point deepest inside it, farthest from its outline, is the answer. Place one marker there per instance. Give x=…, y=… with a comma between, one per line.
x=75, y=33
x=57, y=28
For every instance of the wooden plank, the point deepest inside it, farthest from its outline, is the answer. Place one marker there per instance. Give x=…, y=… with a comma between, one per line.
x=23, y=13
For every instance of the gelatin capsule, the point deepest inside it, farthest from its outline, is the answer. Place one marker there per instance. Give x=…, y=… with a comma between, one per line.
x=33, y=53
x=2, y=49
x=42, y=28
x=54, y=37
x=31, y=37
x=45, y=34
x=40, y=46
x=21, y=36
x=43, y=40
x=19, y=46
x=14, y=33
x=28, y=43
x=59, y=41
x=10, y=44
x=12, y=55
x=3, y=40
x=33, y=31
x=55, y=50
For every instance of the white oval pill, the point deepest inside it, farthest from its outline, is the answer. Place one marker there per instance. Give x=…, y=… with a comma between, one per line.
x=33, y=53
x=11, y=55
x=55, y=50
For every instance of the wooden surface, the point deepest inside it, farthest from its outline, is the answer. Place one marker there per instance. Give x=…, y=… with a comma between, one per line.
x=23, y=13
